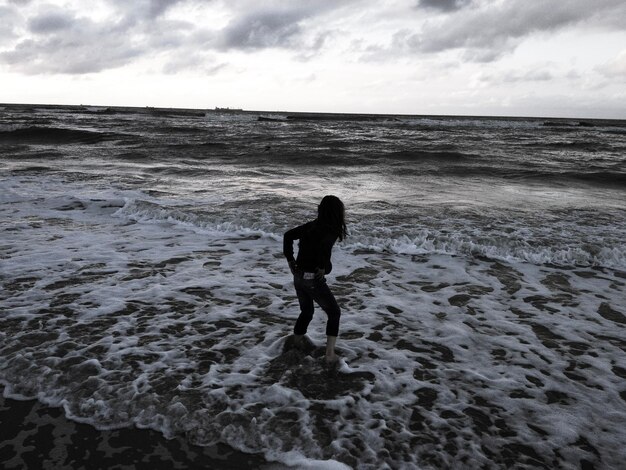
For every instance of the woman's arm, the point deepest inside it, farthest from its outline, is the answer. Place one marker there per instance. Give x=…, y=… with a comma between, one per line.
x=288, y=239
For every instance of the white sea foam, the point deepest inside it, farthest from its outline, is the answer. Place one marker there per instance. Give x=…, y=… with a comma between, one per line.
x=468, y=243
x=124, y=314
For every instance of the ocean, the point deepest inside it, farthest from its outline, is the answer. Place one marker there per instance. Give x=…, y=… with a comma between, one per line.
x=482, y=283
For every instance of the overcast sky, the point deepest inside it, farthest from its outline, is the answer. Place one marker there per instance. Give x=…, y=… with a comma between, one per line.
x=479, y=57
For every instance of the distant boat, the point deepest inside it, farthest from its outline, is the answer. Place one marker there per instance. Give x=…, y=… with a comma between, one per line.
x=228, y=109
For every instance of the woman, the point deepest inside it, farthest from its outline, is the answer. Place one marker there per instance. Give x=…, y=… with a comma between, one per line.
x=312, y=264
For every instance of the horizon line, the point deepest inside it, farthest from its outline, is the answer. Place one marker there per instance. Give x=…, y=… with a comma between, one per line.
x=336, y=113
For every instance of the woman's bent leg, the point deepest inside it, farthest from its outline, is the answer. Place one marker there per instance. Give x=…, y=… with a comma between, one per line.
x=325, y=299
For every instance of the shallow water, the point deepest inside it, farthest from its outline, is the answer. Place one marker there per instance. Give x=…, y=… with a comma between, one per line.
x=482, y=285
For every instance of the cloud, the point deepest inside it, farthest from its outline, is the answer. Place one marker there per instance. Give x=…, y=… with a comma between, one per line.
x=615, y=69
x=485, y=54
x=62, y=55
x=517, y=76
x=443, y=5
x=492, y=29
x=280, y=25
x=145, y=10
x=8, y=22
x=63, y=41
x=531, y=76
x=53, y=20
x=206, y=64
x=262, y=29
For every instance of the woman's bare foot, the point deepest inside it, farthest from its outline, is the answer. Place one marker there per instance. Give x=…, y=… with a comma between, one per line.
x=332, y=359
x=298, y=341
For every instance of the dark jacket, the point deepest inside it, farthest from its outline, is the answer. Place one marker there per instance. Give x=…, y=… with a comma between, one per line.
x=314, y=249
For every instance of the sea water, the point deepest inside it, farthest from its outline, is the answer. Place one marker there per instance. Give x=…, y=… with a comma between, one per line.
x=482, y=283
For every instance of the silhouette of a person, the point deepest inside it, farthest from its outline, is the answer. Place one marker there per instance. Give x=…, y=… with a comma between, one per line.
x=317, y=238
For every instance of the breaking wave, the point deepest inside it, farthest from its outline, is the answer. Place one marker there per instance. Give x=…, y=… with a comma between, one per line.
x=473, y=242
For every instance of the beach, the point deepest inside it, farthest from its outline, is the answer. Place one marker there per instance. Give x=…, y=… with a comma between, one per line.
x=36, y=436
x=145, y=297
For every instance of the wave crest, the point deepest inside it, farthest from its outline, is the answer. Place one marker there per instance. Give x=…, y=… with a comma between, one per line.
x=474, y=243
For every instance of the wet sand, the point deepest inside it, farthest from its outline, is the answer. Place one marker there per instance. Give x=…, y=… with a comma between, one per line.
x=35, y=436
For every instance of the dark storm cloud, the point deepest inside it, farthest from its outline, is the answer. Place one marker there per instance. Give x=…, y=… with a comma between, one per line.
x=61, y=40
x=443, y=5
x=276, y=24
x=279, y=25
x=67, y=43
x=50, y=21
x=262, y=30
x=155, y=8
x=491, y=29
x=66, y=54
x=144, y=10
x=64, y=41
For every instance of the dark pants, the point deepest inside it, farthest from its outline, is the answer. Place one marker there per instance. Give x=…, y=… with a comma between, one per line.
x=317, y=290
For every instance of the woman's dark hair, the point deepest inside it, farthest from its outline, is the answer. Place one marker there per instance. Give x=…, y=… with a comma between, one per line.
x=331, y=213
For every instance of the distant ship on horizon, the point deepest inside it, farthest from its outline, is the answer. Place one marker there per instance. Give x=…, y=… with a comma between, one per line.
x=228, y=109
